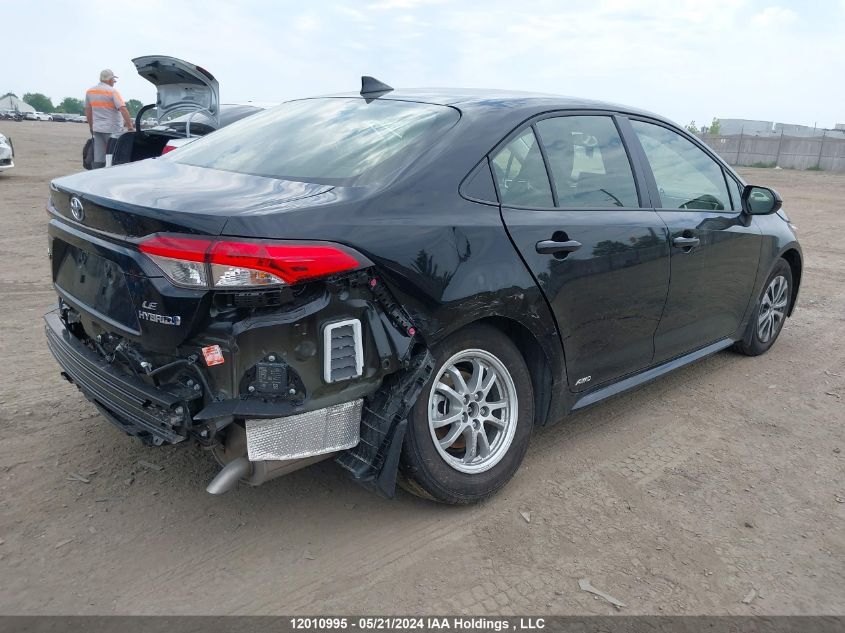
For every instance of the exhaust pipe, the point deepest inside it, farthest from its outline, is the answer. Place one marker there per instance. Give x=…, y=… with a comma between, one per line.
x=229, y=475
x=237, y=467
x=256, y=473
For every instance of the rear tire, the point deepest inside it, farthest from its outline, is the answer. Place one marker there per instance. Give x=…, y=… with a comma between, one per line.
x=770, y=313
x=469, y=429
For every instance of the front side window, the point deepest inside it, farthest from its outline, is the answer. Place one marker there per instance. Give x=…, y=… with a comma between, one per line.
x=521, y=173
x=588, y=162
x=333, y=140
x=687, y=178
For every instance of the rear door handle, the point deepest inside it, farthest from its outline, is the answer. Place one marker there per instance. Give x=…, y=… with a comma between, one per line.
x=551, y=247
x=686, y=242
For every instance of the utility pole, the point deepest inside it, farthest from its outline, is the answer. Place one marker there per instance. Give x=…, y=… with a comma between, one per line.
x=821, y=147
x=780, y=142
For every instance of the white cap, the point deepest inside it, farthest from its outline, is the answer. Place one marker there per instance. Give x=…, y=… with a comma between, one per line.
x=107, y=75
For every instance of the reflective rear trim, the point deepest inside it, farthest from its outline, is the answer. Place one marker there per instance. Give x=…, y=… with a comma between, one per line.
x=307, y=434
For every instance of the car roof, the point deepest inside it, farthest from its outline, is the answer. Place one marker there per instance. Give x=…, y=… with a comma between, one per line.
x=468, y=99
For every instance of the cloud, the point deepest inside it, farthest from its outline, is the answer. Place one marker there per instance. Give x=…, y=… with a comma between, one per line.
x=306, y=22
x=775, y=17
x=401, y=4
x=349, y=12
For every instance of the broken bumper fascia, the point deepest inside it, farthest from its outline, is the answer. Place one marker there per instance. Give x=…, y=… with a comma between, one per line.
x=397, y=365
x=374, y=461
x=163, y=417
x=128, y=403
x=203, y=400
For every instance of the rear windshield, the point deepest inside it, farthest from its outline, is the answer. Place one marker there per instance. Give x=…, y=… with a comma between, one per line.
x=332, y=141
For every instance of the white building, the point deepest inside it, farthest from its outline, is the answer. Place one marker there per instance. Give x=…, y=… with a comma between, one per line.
x=10, y=102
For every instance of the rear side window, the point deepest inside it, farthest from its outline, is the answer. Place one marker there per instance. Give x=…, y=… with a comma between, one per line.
x=333, y=141
x=687, y=178
x=521, y=173
x=588, y=162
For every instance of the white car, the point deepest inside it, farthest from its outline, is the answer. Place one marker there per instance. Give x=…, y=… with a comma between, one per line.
x=7, y=154
x=37, y=116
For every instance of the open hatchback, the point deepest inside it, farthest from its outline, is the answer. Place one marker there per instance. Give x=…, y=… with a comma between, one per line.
x=186, y=95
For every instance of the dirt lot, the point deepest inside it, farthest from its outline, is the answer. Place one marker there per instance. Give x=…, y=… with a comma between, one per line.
x=684, y=497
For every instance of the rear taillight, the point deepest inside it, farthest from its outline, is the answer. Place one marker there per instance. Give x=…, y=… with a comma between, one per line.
x=207, y=263
x=167, y=148
x=182, y=259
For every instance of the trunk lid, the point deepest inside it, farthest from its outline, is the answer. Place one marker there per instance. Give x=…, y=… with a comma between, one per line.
x=116, y=290
x=98, y=217
x=158, y=195
x=181, y=86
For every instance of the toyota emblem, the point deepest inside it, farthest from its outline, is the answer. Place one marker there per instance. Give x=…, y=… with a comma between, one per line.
x=76, y=209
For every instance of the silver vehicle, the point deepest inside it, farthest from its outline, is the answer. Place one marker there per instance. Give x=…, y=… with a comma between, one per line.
x=37, y=116
x=183, y=89
x=7, y=153
x=187, y=107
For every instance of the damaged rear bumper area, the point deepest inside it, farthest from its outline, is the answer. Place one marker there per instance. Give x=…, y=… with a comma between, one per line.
x=128, y=403
x=331, y=377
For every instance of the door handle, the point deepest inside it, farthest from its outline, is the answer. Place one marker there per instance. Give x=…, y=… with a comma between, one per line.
x=551, y=247
x=686, y=242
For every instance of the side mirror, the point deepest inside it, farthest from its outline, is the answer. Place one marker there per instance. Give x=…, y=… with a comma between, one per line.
x=760, y=200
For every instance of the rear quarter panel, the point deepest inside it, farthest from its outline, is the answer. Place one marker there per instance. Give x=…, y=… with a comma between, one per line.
x=447, y=260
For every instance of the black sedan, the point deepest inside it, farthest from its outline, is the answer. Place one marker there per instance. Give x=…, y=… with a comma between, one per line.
x=407, y=282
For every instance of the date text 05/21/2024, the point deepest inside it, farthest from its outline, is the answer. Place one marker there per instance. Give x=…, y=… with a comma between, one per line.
x=418, y=623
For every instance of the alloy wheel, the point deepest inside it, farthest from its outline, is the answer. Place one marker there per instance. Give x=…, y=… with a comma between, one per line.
x=472, y=411
x=772, y=309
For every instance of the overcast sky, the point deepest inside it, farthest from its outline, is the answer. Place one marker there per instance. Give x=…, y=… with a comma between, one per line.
x=759, y=59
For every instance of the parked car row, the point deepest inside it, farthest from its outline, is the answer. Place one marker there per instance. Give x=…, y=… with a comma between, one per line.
x=15, y=115
x=71, y=118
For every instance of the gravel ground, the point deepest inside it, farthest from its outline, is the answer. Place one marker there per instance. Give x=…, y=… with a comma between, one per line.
x=719, y=483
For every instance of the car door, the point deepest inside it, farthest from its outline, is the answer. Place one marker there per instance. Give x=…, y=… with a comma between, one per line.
x=715, y=246
x=582, y=220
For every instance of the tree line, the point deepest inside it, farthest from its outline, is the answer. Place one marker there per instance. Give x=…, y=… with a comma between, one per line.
x=68, y=105
x=714, y=128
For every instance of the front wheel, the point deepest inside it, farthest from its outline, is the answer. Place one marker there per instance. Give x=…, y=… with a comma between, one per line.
x=770, y=315
x=471, y=425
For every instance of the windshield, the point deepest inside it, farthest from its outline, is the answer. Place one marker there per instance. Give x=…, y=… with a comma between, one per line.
x=332, y=141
